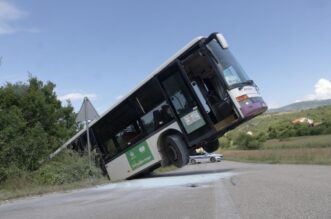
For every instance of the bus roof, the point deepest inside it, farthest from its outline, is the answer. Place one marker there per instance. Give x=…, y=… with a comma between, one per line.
x=155, y=72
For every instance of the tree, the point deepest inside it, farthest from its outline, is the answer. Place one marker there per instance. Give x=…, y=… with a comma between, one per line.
x=32, y=124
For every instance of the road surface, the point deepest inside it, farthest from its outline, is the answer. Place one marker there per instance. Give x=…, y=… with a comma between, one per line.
x=214, y=190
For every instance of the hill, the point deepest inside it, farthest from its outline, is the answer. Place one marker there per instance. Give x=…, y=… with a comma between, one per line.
x=264, y=122
x=304, y=105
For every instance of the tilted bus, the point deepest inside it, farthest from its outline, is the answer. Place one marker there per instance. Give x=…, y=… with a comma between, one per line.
x=191, y=100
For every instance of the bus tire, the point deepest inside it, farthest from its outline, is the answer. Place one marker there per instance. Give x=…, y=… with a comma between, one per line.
x=176, y=149
x=211, y=146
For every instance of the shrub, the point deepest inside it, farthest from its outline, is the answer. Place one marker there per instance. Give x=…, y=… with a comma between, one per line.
x=33, y=123
x=262, y=137
x=67, y=167
x=246, y=142
x=225, y=142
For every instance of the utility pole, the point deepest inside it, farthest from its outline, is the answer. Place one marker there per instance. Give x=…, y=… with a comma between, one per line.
x=87, y=112
x=88, y=135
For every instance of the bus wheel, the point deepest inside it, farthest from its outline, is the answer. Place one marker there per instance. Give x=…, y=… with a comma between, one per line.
x=211, y=146
x=177, y=150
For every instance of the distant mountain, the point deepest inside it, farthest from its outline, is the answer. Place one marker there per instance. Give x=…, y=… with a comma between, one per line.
x=301, y=106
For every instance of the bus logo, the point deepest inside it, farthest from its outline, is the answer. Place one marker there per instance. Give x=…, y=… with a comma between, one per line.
x=142, y=149
x=139, y=155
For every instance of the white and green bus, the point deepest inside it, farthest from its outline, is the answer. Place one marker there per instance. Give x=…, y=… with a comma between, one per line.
x=191, y=100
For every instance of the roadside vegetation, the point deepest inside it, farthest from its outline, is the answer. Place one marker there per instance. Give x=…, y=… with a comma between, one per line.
x=33, y=123
x=68, y=170
x=296, y=150
x=165, y=169
x=275, y=138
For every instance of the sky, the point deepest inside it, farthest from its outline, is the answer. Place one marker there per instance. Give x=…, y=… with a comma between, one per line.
x=103, y=49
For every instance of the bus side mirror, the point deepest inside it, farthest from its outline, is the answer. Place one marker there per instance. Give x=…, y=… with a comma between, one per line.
x=222, y=41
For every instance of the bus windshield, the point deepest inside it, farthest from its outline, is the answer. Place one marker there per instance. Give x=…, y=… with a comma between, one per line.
x=230, y=69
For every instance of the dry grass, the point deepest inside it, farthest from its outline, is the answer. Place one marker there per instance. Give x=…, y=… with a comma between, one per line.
x=165, y=169
x=291, y=156
x=299, y=142
x=295, y=150
x=16, y=189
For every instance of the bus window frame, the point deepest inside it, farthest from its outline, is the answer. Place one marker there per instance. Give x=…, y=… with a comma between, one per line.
x=106, y=156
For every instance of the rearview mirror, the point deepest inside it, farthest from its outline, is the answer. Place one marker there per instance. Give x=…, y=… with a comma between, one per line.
x=222, y=41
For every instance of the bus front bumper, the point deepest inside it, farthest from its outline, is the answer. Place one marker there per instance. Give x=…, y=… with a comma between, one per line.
x=253, y=109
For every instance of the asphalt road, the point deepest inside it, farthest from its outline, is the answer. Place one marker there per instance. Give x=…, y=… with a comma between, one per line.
x=214, y=190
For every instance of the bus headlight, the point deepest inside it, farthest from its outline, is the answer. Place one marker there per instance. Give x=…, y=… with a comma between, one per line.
x=244, y=100
x=251, y=106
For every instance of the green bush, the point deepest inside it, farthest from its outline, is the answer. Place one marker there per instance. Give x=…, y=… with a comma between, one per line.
x=225, y=142
x=262, y=137
x=246, y=142
x=33, y=124
x=67, y=167
x=3, y=174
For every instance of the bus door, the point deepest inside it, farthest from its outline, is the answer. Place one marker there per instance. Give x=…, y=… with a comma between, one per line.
x=210, y=89
x=190, y=114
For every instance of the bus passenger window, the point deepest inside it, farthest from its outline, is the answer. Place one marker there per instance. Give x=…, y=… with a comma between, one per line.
x=127, y=136
x=111, y=148
x=166, y=113
x=157, y=117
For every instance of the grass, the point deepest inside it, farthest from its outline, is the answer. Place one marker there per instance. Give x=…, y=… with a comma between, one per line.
x=165, y=169
x=296, y=150
x=289, y=156
x=25, y=185
x=20, y=188
x=320, y=141
x=67, y=171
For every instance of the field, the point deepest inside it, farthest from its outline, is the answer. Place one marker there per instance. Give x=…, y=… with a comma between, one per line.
x=319, y=141
x=296, y=150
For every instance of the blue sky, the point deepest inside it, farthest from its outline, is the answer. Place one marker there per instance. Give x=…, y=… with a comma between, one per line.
x=103, y=49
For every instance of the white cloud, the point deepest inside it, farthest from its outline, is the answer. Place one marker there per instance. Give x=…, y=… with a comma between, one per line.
x=273, y=105
x=322, y=91
x=8, y=15
x=119, y=97
x=9, y=11
x=76, y=96
x=5, y=28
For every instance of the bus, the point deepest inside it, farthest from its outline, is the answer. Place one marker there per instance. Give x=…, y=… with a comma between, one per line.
x=190, y=101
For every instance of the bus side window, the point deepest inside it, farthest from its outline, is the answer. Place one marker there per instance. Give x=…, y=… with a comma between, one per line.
x=128, y=136
x=166, y=113
x=111, y=147
x=157, y=117
x=154, y=111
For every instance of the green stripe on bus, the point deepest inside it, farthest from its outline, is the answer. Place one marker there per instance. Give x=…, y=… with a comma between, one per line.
x=139, y=155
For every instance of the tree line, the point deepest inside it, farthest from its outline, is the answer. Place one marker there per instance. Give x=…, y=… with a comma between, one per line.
x=33, y=123
x=257, y=131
